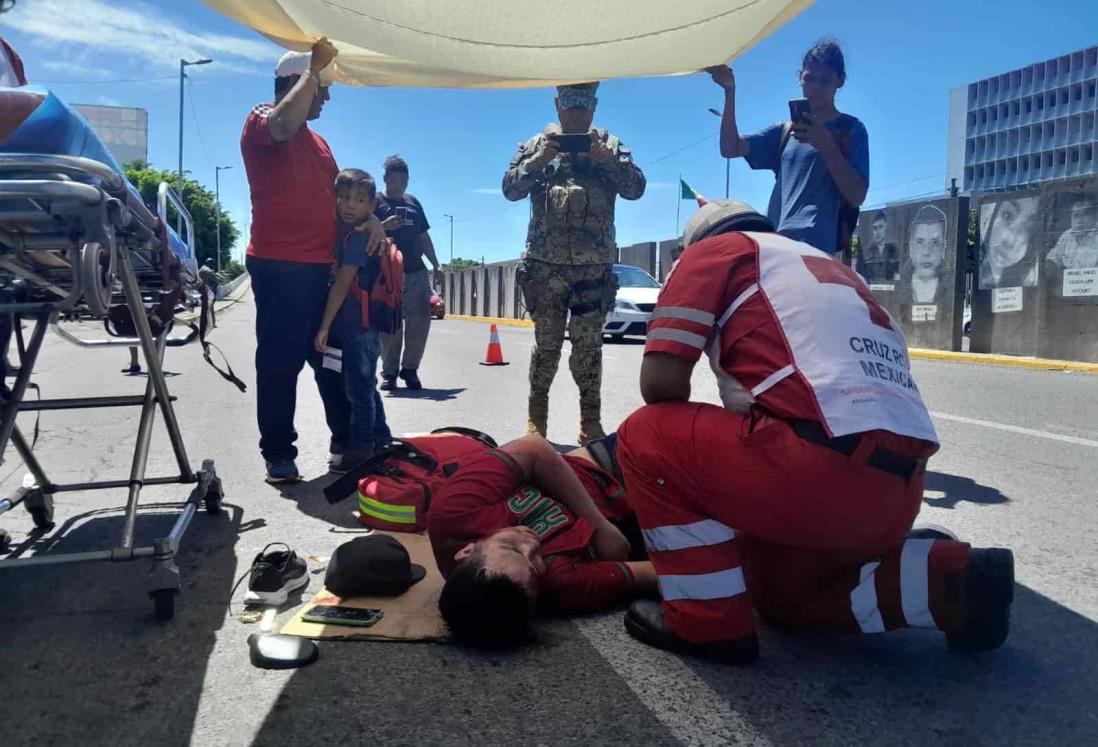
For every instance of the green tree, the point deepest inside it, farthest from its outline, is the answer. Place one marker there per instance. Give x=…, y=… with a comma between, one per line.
x=202, y=206
x=460, y=264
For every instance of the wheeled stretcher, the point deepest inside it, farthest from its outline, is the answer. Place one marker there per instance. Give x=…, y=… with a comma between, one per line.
x=78, y=244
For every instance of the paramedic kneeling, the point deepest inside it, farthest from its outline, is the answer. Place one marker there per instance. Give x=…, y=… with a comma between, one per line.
x=522, y=527
x=797, y=498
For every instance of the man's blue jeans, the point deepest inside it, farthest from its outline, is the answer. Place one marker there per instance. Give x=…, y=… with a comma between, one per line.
x=361, y=351
x=289, y=305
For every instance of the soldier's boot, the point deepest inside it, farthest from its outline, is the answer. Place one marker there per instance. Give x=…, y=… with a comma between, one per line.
x=538, y=415
x=590, y=421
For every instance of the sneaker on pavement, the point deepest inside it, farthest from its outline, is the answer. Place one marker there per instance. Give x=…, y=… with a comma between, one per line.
x=282, y=470
x=411, y=379
x=388, y=383
x=989, y=591
x=274, y=574
x=645, y=622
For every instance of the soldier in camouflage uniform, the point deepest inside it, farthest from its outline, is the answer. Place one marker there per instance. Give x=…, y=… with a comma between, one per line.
x=570, y=249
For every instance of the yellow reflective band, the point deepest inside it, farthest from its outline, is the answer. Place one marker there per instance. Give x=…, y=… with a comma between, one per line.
x=387, y=511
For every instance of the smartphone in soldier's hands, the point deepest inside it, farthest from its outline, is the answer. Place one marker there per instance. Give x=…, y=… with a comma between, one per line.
x=572, y=142
x=800, y=111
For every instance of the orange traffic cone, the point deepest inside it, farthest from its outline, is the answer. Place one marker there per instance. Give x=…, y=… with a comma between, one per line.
x=495, y=351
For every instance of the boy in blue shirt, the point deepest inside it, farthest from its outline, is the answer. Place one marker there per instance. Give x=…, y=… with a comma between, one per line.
x=821, y=166
x=356, y=198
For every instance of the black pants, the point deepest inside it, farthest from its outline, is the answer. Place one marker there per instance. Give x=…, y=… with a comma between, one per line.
x=289, y=305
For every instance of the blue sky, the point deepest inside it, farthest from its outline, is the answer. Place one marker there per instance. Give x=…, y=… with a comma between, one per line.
x=902, y=59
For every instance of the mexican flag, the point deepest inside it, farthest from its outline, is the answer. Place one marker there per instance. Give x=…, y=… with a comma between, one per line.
x=688, y=193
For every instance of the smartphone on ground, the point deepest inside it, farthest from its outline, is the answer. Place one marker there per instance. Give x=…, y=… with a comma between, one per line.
x=330, y=614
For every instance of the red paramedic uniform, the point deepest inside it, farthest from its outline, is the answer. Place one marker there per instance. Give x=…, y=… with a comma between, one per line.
x=293, y=192
x=487, y=493
x=787, y=499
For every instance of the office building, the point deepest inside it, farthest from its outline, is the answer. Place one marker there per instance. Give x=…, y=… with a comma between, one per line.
x=124, y=130
x=1027, y=126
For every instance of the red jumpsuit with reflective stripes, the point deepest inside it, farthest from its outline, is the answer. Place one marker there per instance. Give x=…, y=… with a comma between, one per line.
x=739, y=512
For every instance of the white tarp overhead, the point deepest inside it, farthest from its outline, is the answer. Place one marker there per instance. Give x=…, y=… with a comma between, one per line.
x=515, y=43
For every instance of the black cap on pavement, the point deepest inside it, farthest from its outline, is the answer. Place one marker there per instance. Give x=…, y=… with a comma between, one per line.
x=376, y=565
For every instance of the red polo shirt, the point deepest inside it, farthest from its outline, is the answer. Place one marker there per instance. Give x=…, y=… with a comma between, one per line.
x=293, y=192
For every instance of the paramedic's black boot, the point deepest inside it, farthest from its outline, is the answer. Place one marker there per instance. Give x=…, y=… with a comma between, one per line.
x=388, y=383
x=989, y=591
x=645, y=622
x=411, y=379
x=931, y=531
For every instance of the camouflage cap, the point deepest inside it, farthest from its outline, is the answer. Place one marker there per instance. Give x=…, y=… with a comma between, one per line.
x=577, y=95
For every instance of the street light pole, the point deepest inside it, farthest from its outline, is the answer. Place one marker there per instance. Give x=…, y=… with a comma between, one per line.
x=727, y=161
x=182, y=75
x=451, y=237
x=217, y=199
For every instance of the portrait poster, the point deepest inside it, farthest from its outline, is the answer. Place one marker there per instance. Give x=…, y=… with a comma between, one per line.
x=1068, y=325
x=907, y=255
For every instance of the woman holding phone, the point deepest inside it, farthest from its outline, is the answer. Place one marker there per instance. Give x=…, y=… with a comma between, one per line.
x=820, y=157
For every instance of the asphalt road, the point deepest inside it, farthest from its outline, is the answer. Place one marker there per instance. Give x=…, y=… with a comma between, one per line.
x=83, y=662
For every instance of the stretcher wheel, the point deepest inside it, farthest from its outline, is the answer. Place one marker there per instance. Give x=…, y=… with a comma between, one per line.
x=40, y=507
x=214, y=495
x=5, y=540
x=95, y=278
x=164, y=603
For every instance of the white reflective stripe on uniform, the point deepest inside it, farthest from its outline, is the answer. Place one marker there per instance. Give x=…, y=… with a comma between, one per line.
x=915, y=583
x=677, y=335
x=684, y=312
x=748, y=293
x=863, y=601
x=772, y=379
x=682, y=536
x=719, y=585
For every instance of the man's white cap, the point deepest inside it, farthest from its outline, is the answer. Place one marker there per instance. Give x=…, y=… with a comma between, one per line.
x=721, y=216
x=296, y=63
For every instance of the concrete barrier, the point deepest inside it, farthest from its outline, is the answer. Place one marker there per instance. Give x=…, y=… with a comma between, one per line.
x=641, y=255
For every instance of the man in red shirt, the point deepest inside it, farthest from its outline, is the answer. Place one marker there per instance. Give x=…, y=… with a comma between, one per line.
x=797, y=497
x=291, y=173
x=505, y=546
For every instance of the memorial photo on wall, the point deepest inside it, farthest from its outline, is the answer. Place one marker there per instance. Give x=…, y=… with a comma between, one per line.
x=1077, y=246
x=925, y=277
x=1009, y=243
x=878, y=259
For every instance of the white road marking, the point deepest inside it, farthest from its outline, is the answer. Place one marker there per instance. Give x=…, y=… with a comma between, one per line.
x=1017, y=429
x=682, y=701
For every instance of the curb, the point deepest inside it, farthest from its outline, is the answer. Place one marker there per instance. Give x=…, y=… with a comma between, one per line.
x=985, y=359
x=493, y=320
x=992, y=359
x=237, y=293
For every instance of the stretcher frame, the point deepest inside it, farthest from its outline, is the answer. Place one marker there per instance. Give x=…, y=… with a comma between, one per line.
x=84, y=214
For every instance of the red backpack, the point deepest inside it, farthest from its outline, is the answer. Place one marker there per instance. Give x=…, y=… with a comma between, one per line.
x=395, y=486
x=382, y=305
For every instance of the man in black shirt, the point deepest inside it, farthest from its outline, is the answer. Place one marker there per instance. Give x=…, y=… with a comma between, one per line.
x=406, y=224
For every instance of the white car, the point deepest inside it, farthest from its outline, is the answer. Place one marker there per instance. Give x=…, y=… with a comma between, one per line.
x=637, y=293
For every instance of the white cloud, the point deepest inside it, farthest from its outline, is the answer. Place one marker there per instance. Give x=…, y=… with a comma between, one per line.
x=136, y=33
x=73, y=68
x=494, y=191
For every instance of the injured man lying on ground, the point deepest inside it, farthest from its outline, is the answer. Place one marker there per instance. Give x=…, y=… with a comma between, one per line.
x=515, y=530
